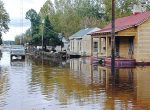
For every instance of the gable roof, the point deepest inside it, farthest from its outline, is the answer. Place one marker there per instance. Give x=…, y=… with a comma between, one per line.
x=64, y=40
x=126, y=22
x=83, y=32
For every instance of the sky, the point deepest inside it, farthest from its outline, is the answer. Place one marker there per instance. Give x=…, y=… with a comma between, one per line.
x=17, y=10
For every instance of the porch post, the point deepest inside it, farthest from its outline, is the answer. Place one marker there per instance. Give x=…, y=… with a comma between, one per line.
x=99, y=46
x=91, y=45
x=113, y=39
x=106, y=46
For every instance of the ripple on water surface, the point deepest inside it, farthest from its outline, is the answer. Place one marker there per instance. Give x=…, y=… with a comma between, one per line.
x=76, y=85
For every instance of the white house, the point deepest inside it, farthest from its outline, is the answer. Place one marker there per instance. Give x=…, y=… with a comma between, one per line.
x=81, y=42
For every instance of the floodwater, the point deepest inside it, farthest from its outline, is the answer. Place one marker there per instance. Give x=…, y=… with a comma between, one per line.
x=76, y=84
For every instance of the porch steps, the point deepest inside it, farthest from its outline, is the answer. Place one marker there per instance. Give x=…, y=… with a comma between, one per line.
x=94, y=59
x=120, y=62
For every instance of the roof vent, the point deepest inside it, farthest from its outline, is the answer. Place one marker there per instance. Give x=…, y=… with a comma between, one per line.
x=139, y=7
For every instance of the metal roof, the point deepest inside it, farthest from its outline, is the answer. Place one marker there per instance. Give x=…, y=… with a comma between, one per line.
x=83, y=32
x=126, y=22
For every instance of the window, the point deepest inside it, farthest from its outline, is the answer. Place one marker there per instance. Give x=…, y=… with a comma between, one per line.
x=95, y=44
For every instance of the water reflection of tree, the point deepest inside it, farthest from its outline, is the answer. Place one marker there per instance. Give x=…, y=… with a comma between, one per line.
x=47, y=61
x=0, y=54
x=41, y=77
x=3, y=88
x=59, y=79
x=82, y=86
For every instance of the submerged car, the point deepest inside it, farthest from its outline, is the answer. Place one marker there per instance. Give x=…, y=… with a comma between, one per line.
x=17, y=50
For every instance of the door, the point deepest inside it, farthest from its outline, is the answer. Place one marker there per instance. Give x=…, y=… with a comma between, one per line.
x=131, y=47
x=117, y=42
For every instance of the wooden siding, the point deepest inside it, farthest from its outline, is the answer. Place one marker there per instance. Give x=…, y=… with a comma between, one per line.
x=86, y=45
x=128, y=32
x=143, y=47
x=124, y=47
x=142, y=82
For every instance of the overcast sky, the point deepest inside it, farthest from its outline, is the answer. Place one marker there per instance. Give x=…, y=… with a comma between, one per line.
x=17, y=10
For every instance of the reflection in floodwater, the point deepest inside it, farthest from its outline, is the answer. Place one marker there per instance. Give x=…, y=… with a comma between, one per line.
x=126, y=89
x=76, y=84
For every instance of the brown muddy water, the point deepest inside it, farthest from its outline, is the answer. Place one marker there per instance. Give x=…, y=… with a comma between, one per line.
x=75, y=84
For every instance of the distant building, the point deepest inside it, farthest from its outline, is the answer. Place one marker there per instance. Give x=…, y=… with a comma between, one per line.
x=65, y=46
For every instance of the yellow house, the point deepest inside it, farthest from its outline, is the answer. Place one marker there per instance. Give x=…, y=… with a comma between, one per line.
x=132, y=38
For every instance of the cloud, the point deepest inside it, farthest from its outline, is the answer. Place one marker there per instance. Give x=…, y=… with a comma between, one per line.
x=17, y=10
x=17, y=22
x=13, y=31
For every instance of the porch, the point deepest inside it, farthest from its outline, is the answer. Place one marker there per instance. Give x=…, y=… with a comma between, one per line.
x=124, y=50
x=120, y=62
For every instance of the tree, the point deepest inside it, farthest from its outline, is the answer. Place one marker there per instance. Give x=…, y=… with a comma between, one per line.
x=27, y=36
x=72, y=15
x=4, y=20
x=50, y=37
x=19, y=39
x=35, y=21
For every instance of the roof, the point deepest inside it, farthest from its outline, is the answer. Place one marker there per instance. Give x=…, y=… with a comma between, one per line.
x=83, y=32
x=126, y=22
x=65, y=40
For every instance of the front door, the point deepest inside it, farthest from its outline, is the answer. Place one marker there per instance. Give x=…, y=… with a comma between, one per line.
x=131, y=47
x=117, y=42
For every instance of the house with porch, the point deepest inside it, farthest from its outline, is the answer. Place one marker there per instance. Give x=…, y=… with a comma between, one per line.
x=81, y=42
x=132, y=38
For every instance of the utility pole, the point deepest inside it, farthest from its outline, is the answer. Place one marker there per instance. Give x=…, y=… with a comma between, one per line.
x=113, y=39
x=42, y=33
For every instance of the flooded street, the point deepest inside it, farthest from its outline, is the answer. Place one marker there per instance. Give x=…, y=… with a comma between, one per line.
x=72, y=85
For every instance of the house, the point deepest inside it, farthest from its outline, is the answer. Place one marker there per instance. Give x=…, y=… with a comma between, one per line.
x=81, y=43
x=65, y=45
x=132, y=37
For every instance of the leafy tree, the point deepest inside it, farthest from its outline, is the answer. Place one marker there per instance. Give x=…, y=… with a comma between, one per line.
x=4, y=20
x=47, y=9
x=19, y=39
x=50, y=37
x=72, y=15
x=27, y=36
x=36, y=40
x=35, y=21
x=69, y=16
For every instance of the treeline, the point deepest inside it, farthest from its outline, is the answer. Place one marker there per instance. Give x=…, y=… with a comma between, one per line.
x=4, y=20
x=69, y=16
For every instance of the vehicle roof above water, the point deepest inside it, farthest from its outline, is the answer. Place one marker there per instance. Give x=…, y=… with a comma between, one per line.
x=17, y=46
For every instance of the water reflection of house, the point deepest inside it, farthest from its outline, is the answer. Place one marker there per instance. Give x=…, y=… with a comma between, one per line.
x=81, y=43
x=84, y=70
x=142, y=86
x=85, y=83
x=132, y=37
x=128, y=87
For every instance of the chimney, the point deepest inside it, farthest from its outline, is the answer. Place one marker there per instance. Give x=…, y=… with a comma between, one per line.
x=137, y=9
